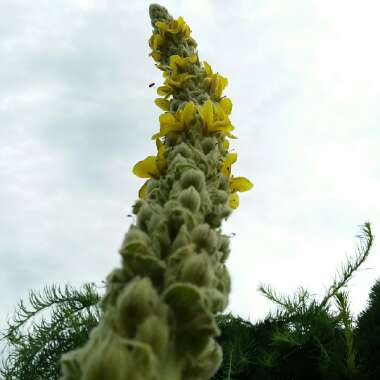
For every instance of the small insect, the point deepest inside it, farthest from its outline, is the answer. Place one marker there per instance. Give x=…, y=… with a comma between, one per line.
x=152, y=84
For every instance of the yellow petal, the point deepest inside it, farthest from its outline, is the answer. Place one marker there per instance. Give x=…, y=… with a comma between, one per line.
x=167, y=118
x=230, y=135
x=207, y=68
x=164, y=90
x=227, y=163
x=164, y=104
x=240, y=184
x=180, y=22
x=234, y=200
x=222, y=84
x=161, y=25
x=188, y=114
x=146, y=168
x=155, y=41
x=178, y=80
x=143, y=190
x=226, y=144
x=169, y=128
x=207, y=113
x=156, y=55
x=226, y=105
x=221, y=126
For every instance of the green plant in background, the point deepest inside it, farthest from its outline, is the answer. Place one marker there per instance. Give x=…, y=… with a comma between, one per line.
x=56, y=321
x=160, y=306
x=367, y=336
x=304, y=339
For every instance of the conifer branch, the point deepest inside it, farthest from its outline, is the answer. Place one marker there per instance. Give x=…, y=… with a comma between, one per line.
x=352, y=264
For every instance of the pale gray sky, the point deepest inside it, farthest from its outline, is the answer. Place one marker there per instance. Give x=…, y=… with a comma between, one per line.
x=76, y=113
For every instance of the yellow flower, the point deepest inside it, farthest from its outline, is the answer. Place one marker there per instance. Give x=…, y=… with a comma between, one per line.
x=156, y=55
x=176, y=73
x=177, y=122
x=215, y=119
x=164, y=104
x=216, y=82
x=155, y=41
x=174, y=27
x=225, y=169
x=178, y=80
x=164, y=91
x=151, y=167
x=238, y=184
x=226, y=104
x=175, y=62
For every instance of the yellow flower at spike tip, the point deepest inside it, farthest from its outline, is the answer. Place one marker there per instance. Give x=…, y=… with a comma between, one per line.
x=215, y=119
x=217, y=82
x=225, y=169
x=177, y=122
x=174, y=27
x=151, y=167
x=240, y=184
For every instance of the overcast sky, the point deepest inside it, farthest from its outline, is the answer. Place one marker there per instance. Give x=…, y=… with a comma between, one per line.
x=76, y=114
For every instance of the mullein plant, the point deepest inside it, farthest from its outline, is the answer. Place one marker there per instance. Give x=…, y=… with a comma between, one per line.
x=159, y=308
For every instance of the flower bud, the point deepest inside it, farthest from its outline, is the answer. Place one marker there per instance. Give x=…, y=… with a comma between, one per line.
x=190, y=199
x=208, y=144
x=218, y=300
x=182, y=239
x=222, y=279
x=204, y=237
x=110, y=359
x=143, y=217
x=197, y=270
x=184, y=150
x=224, y=246
x=220, y=196
x=155, y=332
x=207, y=363
x=136, y=302
x=135, y=240
x=194, y=178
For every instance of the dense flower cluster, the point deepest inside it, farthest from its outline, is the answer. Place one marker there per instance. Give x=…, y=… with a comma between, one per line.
x=184, y=74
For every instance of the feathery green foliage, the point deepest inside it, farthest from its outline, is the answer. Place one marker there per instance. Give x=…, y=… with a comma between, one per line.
x=55, y=321
x=304, y=338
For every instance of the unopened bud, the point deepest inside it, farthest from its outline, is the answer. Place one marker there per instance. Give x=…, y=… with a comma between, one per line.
x=194, y=178
x=204, y=237
x=196, y=270
x=155, y=332
x=190, y=199
x=136, y=302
